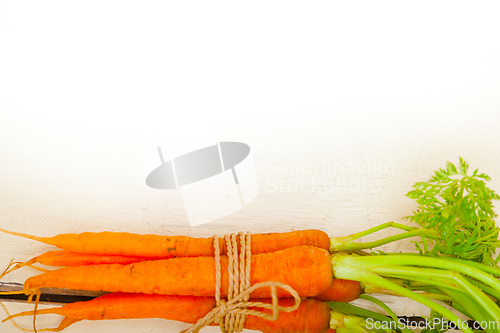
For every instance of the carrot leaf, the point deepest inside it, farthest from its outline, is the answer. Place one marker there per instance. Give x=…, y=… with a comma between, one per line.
x=459, y=207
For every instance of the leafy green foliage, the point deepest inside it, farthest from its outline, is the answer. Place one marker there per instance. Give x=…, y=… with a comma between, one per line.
x=460, y=208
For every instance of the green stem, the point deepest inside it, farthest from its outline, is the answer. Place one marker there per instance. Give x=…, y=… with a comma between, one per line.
x=338, y=241
x=387, y=309
x=435, y=296
x=485, y=288
x=339, y=244
x=409, y=283
x=459, y=266
x=464, y=306
x=457, y=305
x=441, y=278
x=343, y=323
x=381, y=304
x=343, y=270
x=491, y=234
x=424, y=243
x=435, y=277
x=486, y=268
x=350, y=309
x=367, y=323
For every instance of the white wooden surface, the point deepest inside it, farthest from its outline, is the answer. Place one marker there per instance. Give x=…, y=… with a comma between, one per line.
x=343, y=108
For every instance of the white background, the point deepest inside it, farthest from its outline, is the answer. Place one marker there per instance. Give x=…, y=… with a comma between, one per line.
x=344, y=104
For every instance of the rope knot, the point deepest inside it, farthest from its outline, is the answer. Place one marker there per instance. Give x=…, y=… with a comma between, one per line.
x=231, y=314
x=221, y=312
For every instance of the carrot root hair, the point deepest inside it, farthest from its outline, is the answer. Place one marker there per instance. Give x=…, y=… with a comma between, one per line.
x=29, y=313
x=17, y=292
x=37, y=294
x=20, y=234
x=26, y=264
x=10, y=317
x=7, y=271
x=18, y=264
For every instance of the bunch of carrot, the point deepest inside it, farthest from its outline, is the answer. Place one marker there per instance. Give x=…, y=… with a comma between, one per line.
x=135, y=273
x=457, y=266
x=138, y=269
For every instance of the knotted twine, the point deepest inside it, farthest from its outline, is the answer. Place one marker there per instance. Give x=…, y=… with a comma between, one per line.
x=231, y=314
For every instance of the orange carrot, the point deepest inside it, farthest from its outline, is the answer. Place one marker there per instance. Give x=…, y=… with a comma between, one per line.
x=341, y=291
x=311, y=317
x=162, y=247
x=261, y=243
x=307, y=269
x=67, y=258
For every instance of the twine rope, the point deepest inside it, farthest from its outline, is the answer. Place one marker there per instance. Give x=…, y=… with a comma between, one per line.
x=231, y=314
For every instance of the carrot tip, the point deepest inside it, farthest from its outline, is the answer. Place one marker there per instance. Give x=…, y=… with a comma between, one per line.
x=27, y=313
x=7, y=271
x=35, y=267
x=20, y=234
x=17, y=292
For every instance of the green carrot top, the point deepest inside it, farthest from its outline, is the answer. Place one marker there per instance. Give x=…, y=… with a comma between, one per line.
x=455, y=215
x=460, y=208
